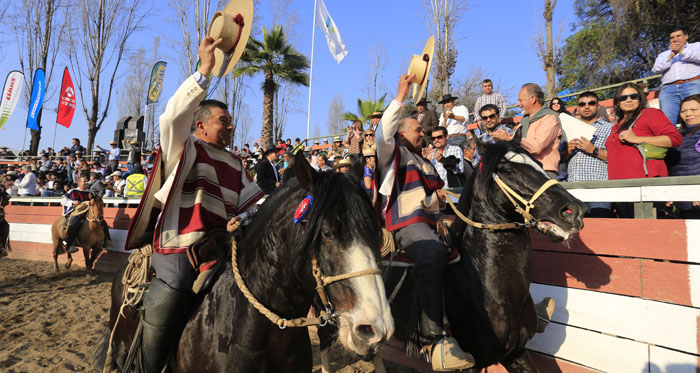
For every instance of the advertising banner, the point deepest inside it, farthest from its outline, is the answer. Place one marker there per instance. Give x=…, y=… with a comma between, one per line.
x=37, y=100
x=10, y=95
x=66, y=103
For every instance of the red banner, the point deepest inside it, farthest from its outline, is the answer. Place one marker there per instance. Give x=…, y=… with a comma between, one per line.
x=66, y=104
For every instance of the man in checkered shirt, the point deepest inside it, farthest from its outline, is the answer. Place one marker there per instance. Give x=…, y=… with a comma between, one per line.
x=588, y=160
x=439, y=155
x=489, y=97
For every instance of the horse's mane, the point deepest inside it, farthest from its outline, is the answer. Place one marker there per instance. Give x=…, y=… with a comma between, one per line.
x=480, y=182
x=338, y=199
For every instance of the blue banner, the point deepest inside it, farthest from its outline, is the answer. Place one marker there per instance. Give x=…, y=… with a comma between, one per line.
x=35, y=104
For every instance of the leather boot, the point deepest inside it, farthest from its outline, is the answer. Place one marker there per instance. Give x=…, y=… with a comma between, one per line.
x=3, y=252
x=445, y=353
x=545, y=309
x=72, y=232
x=164, y=307
x=108, y=239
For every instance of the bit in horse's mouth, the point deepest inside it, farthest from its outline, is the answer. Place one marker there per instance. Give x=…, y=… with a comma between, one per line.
x=553, y=231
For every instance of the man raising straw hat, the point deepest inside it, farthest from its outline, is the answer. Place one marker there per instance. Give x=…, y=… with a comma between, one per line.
x=193, y=136
x=411, y=200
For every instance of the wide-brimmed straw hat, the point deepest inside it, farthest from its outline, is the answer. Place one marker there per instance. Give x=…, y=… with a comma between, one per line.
x=132, y=142
x=233, y=25
x=420, y=67
x=447, y=98
x=376, y=114
x=337, y=139
x=344, y=162
x=112, y=143
x=368, y=152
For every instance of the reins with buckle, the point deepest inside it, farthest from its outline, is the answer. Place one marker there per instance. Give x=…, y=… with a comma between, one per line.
x=512, y=195
x=327, y=315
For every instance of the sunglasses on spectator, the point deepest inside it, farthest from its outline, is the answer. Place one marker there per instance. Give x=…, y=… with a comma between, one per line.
x=589, y=103
x=492, y=116
x=369, y=134
x=634, y=97
x=438, y=137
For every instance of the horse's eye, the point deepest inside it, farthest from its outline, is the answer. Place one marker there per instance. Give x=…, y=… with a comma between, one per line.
x=326, y=234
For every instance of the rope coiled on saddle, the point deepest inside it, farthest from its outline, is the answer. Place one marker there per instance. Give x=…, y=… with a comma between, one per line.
x=135, y=276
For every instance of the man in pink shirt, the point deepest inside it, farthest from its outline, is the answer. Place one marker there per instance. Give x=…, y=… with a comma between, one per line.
x=541, y=131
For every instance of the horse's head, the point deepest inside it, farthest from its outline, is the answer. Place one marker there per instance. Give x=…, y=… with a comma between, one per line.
x=508, y=177
x=96, y=211
x=344, y=233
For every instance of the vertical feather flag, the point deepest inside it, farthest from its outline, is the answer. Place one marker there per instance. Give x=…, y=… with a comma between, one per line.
x=10, y=95
x=66, y=104
x=327, y=25
x=37, y=101
x=156, y=86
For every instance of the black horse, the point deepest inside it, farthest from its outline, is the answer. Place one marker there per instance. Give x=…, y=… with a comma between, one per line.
x=224, y=332
x=487, y=297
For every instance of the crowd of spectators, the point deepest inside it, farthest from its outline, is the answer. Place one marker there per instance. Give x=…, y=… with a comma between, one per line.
x=54, y=173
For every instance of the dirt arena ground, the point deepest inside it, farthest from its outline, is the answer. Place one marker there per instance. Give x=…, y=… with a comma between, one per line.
x=52, y=322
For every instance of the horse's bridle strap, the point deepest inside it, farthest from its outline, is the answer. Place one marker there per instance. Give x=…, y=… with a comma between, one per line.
x=493, y=227
x=510, y=193
x=321, y=282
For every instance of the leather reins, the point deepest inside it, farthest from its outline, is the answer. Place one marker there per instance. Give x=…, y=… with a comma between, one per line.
x=327, y=315
x=514, y=198
x=96, y=217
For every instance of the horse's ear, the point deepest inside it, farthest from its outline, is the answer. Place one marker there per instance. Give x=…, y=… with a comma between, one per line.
x=306, y=175
x=480, y=145
x=518, y=135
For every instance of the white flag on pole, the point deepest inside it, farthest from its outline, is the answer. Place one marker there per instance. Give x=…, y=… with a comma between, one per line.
x=326, y=24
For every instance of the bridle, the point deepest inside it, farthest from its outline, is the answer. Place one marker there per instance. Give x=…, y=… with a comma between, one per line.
x=514, y=198
x=96, y=218
x=327, y=315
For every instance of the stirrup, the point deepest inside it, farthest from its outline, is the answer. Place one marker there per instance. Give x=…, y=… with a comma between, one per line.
x=448, y=356
x=70, y=249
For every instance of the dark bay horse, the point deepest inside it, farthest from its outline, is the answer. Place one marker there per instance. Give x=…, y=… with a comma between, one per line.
x=224, y=332
x=90, y=236
x=487, y=296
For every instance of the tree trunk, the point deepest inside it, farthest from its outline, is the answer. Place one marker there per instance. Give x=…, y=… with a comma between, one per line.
x=548, y=59
x=268, y=110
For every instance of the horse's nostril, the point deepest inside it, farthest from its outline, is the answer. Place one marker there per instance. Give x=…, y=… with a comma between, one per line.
x=365, y=332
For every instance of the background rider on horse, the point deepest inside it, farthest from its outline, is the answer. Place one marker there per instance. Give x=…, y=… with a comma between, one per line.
x=411, y=208
x=73, y=218
x=205, y=187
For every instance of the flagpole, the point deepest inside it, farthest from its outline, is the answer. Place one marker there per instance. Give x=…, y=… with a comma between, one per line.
x=311, y=72
x=25, y=139
x=54, y=136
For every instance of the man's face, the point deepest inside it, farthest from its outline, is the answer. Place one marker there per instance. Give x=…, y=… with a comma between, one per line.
x=448, y=105
x=412, y=135
x=286, y=157
x=375, y=121
x=321, y=161
x=678, y=39
x=469, y=152
x=490, y=118
x=439, y=139
x=82, y=183
x=526, y=102
x=487, y=88
x=217, y=128
x=420, y=107
x=588, y=107
x=272, y=156
x=344, y=169
x=75, y=142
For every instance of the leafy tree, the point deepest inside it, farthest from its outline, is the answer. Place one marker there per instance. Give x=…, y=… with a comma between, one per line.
x=278, y=61
x=619, y=40
x=365, y=108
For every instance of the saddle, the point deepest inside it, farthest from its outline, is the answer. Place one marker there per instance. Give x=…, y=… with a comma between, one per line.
x=399, y=258
x=79, y=210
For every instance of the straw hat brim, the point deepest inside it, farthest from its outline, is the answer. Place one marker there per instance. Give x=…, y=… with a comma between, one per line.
x=234, y=7
x=429, y=49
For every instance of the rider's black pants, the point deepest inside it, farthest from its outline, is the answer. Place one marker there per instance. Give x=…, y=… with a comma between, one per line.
x=74, y=223
x=174, y=269
x=422, y=244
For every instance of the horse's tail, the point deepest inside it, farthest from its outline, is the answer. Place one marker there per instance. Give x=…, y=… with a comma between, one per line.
x=100, y=354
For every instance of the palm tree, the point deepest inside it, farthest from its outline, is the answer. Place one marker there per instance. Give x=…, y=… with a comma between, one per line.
x=275, y=58
x=365, y=109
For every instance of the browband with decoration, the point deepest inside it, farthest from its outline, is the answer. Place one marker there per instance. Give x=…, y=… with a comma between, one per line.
x=303, y=209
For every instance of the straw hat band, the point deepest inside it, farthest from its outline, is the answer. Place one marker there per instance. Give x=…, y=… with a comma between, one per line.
x=221, y=26
x=426, y=59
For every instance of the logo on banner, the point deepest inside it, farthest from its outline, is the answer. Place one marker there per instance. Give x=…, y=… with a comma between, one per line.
x=10, y=95
x=156, y=86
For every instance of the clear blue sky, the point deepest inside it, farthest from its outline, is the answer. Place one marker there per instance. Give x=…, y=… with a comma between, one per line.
x=496, y=36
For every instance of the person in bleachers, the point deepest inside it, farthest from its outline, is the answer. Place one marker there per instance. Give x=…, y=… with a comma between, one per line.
x=685, y=160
